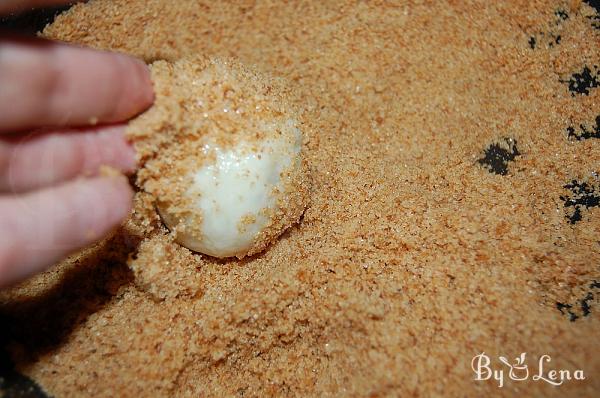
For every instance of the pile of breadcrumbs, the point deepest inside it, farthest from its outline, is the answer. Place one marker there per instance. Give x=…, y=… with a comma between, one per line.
x=454, y=157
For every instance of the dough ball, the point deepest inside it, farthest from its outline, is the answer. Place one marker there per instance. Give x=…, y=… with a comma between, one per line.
x=221, y=151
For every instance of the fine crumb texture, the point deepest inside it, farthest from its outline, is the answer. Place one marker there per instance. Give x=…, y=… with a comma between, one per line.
x=415, y=253
x=221, y=152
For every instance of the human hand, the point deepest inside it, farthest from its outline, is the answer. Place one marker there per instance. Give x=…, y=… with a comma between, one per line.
x=47, y=208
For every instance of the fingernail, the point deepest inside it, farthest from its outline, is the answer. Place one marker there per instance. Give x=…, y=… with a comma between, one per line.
x=145, y=82
x=129, y=157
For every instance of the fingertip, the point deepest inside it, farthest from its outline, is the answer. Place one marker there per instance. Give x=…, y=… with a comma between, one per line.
x=77, y=87
x=40, y=228
x=129, y=157
x=118, y=194
x=147, y=85
x=127, y=196
x=140, y=86
x=124, y=155
x=134, y=85
x=41, y=160
x=99, y=205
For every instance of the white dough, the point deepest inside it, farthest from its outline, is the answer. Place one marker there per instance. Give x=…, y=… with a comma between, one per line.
x=237, y=191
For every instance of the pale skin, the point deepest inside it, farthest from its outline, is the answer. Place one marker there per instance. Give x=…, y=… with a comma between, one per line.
x=53, y=200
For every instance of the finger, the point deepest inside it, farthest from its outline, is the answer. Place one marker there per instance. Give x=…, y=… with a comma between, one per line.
x=38, y=229
x=51, y=84
x=44, y=159
x=7, y=6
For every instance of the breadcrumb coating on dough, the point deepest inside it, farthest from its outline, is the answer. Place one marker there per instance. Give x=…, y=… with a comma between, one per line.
x=221, y=103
